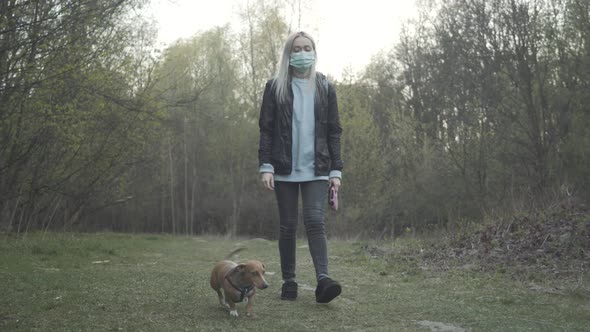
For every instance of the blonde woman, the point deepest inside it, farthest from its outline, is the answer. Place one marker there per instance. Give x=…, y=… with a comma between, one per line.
x=300, y=152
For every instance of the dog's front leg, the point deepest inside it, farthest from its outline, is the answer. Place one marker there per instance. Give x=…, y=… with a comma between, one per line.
x=232, y=308
x=229, y=303
x=249, y=308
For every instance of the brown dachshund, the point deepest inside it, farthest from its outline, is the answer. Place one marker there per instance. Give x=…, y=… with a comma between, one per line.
x=238, y=281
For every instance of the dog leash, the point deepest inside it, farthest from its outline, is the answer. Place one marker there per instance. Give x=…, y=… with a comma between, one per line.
x=243, y=291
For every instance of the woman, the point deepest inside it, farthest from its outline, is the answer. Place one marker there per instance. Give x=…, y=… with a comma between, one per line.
x=300, y=151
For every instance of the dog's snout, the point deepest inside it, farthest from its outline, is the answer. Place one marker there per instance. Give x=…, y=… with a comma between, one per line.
x=262, y=284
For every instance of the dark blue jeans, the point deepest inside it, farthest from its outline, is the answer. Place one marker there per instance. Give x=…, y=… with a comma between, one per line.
x=314, y=196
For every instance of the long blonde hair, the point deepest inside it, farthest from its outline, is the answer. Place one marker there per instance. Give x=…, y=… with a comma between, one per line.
x=284, y=74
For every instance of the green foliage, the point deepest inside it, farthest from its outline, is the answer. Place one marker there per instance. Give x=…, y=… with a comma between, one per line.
x=362, y=197
x=209, y=89
x=480, y=107
x=260, y=41
x=577, y=156
x=69, y=126
x=489, y=94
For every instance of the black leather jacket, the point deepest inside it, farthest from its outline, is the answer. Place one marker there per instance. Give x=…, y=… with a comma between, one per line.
x=276, y=121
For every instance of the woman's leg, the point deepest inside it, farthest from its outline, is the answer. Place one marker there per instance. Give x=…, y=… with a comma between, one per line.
x=287, y=198
x=314, y=196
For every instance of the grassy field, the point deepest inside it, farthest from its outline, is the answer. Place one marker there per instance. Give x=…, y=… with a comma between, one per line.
x=119, y=282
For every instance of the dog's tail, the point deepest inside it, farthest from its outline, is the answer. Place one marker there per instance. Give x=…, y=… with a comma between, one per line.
x=233, y=253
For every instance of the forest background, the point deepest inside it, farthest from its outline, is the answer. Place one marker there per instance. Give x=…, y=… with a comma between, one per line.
x=480, y=110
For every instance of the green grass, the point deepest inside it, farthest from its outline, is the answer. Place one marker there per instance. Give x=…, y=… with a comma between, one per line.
x=117, y=282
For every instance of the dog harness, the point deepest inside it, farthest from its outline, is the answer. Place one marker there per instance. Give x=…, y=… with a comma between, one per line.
x=243, y=291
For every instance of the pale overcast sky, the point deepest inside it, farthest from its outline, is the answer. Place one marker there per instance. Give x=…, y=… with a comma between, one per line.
x=347, y=33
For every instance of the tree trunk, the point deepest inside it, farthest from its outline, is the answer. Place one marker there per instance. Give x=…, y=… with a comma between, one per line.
x=186, y=180
x=172, y=203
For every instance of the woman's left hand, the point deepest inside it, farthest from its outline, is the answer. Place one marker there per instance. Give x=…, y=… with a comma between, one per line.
x=335, y=182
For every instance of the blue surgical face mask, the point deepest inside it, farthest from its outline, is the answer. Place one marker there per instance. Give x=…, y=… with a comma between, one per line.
x=302, y=61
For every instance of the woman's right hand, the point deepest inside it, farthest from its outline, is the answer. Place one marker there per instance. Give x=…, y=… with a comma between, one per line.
x=268, y=180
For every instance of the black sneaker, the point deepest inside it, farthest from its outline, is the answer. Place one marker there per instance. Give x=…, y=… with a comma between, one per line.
x=327, y=290
x=289, y=291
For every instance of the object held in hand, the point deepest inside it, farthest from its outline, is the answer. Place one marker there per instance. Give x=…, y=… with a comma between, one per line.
x=333, y=200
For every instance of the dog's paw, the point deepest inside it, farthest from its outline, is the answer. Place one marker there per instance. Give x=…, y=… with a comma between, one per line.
x=224, y=304
x=233, y=313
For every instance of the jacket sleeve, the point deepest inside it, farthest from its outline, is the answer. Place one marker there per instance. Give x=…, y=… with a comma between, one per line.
x=266, y=122
x=334, y=130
